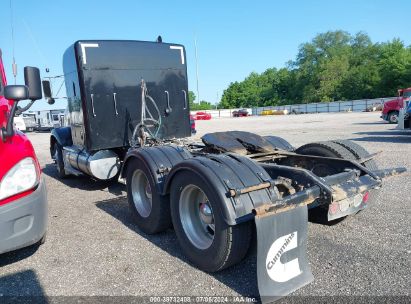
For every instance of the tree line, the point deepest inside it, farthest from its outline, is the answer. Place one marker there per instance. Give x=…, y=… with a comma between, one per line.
x=333, y=66
x=202, y=105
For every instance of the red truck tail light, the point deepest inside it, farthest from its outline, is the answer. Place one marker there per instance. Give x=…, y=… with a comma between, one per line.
x=366, y=197
x=333, y=208
x=23, y=176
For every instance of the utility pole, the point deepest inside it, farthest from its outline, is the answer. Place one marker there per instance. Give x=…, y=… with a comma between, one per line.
x=14, y=65
x=195, y=46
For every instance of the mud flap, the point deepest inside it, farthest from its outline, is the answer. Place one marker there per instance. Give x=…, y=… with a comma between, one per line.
x=282, y=265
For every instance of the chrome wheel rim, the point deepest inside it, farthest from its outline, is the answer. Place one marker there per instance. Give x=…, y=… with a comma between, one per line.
x=394, y=118
x=141, y=193
x=197, y=217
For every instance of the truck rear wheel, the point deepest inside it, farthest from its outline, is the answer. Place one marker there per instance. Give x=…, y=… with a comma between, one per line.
x=327, y=149
x=150, y=209
x=341, y=149
x=279, y=142
x=360, y=153
x=204, y=237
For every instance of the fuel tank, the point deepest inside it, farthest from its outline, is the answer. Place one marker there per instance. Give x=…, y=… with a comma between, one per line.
x=103, y=164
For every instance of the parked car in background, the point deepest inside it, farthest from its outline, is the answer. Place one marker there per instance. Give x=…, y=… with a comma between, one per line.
x=202, y=116
x=241, y=113
x=391, y=108
x=23, y=201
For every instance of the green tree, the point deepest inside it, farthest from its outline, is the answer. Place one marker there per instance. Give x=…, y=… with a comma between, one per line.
x=203, y=105
x=394, y=66
x=332, y=66
x=191, y=98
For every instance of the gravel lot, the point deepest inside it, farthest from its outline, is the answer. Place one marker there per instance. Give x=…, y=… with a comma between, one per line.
x=94, y=248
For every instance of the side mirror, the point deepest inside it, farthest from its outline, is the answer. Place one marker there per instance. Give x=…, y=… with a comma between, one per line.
x=51, y=101
x=33, y=82
x=16, y=92
x=47, y=89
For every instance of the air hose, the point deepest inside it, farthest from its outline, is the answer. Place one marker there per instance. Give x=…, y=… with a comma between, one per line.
x=142, y=131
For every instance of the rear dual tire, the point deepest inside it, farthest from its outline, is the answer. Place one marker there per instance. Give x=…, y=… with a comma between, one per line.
x=195, y=210
x=151, y=211
x=210, y=249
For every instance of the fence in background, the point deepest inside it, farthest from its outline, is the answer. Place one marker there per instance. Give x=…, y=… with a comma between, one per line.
x=322, y=107
x=223, y=112
x=327, y=107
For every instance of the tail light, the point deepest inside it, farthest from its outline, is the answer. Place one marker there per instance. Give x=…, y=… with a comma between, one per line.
x=366, y=197
x=333, y=208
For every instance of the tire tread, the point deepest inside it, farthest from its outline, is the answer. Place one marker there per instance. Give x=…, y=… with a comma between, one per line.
x=339, y=150
x=358, y=151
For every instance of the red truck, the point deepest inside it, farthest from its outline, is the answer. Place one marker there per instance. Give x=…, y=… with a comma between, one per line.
x=23, y=202
x=392, y=107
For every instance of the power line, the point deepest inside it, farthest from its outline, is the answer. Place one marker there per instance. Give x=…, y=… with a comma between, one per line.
x=14, y=65
x=34, y=41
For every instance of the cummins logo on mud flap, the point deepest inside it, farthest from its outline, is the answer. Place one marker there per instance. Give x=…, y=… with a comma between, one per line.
x=282, y=264
x=278, y=271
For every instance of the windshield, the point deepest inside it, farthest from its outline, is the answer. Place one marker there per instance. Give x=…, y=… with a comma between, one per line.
x=407, y=94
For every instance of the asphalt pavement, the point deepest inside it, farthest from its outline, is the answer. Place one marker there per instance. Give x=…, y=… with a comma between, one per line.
x=93, y=247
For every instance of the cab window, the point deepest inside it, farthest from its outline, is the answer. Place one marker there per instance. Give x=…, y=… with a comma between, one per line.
x=407, y=94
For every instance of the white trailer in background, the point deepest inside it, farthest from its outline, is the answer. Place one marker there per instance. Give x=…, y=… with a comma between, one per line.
x=29, y=121
x=19, y=123
x=25, y=122
x=48, y=119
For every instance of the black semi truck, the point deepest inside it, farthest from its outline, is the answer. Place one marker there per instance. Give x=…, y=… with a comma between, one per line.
x=129, y=117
